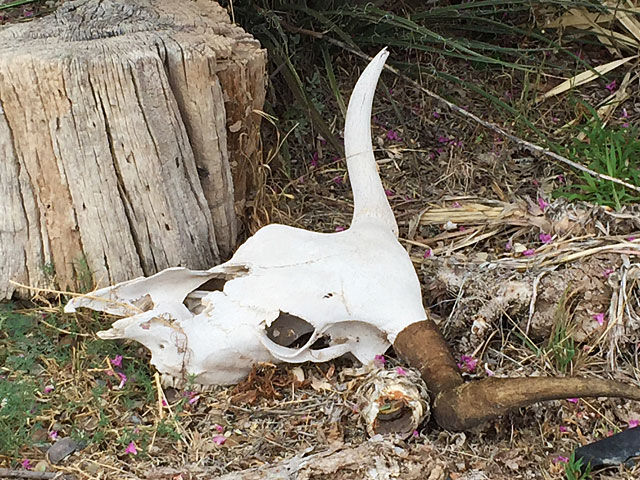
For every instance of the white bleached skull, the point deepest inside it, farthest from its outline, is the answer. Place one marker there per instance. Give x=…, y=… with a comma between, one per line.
x=287, y=295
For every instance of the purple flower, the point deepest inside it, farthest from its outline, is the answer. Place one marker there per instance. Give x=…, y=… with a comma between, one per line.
x=607, y=273
x=545, y=238
x=467, y=363
x=314, y=159
x=393, y=136
x=561, y=179
x=436, y=114
x=563, y=429
x=53, y=434
x=573, y=400
x=337, y=180
x=530, y=252
x=340, y=228
x=442, y=139
x=631, y=238
x=219, y=428
x=456, y=205
x=117, y=362
x=428, y=253
x=26, y=464
x=48, y=389
x=508, y=246
x=379, y=360
x=634, y=423
x=389, y=193
x=415, y=434
x=401, y=371
x=611, y=86
x=561, y=459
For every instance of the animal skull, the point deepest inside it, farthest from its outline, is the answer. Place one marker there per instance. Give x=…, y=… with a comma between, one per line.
x=287, y=295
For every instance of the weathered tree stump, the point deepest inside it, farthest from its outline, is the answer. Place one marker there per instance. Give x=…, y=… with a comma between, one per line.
x=125, y=128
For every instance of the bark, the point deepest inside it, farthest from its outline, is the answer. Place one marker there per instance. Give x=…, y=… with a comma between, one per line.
x=125, y=127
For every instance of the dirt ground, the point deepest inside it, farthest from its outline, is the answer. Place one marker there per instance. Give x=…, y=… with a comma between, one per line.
x=570, y=308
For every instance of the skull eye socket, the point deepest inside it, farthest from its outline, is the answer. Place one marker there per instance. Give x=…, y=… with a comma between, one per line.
x=193, y=301
x=293, y=332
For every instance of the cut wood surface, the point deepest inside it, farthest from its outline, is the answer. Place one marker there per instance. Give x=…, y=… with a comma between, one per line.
x=127, y=139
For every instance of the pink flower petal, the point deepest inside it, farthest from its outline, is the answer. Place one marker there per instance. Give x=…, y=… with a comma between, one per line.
x=428, y=253
x=219, y=428
x=468, y=363
x=401, y=371
x=389, y=193
x=545, y=238
x=379, y=360
x=508, y=246
x=560, y=459
x=48, y=389
x=415, y=434
x=456, y=205
x=607, y=273
x=563, y=429
x=131, y=449
x=599, y=317
x=340, y=228
x=26, y=464
x=314, y=159
x=123, y=380
x=117, y=362
x=219, y=439
x=542, y=203
x=530, y=252
x=53, y=435
x=611, y=86
x=634, y=423
x=573, y=400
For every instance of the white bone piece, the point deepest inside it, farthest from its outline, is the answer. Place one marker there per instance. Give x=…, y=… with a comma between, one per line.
x=287, y=295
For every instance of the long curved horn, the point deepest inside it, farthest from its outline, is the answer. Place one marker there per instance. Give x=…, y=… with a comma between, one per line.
x=460, y=406
x=370, y=202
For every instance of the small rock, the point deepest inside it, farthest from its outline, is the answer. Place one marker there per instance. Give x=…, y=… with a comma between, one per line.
x=61, y=449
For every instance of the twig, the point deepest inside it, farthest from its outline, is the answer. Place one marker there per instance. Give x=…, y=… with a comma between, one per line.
x=532, y=147
x=11, y=473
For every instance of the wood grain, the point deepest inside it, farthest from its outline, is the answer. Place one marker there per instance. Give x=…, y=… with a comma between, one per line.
x=123, y=126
